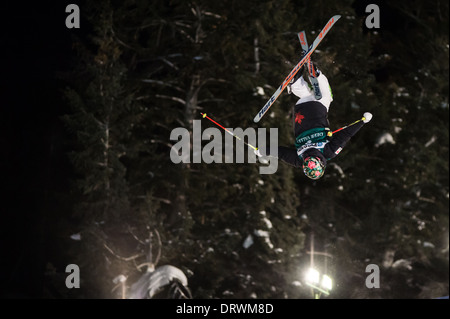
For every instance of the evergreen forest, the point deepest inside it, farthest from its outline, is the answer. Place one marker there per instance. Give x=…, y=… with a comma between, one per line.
x=89, y=180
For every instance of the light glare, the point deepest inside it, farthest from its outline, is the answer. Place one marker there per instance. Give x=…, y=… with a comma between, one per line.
x=327, y=282
x=312, y=276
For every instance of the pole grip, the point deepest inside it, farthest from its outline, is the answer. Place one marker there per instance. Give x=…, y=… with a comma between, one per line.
x=340, y=129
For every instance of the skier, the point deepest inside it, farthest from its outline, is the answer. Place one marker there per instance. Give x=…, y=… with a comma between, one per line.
x=314, y=142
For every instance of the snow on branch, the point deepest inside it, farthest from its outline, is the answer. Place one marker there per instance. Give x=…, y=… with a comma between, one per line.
x=173, y=98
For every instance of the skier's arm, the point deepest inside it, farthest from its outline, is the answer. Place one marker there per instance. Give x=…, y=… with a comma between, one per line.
x=340, y=139
x=287, y=155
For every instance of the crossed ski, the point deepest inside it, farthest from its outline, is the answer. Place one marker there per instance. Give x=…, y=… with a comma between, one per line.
x=294, y=71
x=311, y=71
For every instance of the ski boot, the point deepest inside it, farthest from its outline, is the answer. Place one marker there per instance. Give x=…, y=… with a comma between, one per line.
x=294, y=79
x=312, y=69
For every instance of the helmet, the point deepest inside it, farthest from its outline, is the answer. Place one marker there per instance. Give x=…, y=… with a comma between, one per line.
x=313, y=167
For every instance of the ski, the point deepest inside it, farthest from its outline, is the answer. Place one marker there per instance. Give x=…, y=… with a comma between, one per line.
x=294, y=71
x=311, y=72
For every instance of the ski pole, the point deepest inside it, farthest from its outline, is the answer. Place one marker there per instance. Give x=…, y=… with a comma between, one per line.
x=228, y=131
x=340, y=129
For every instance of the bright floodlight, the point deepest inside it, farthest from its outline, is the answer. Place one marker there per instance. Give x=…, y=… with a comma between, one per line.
x=312, y=276
x=327, y=283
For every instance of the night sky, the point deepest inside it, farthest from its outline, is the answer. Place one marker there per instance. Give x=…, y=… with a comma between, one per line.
x=36, y=45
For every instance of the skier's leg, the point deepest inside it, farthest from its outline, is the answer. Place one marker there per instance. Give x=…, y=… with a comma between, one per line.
x=325, y=89
x=301, y=89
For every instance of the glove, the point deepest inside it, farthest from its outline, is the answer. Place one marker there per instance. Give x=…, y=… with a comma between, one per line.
x=367, y=117
x=261, y=158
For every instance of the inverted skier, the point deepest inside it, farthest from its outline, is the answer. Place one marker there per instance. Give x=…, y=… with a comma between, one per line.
x=314, y=142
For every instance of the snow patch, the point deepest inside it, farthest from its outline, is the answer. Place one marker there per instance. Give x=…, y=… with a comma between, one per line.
x=120, y=278
x=338, y=168
x=263, y=234
x=385, y=138
x=75, y=236
x=227, y=293
x=401, y=91
x=151, y=282
x=388, y=258
x=228, y=232
x=267, y=222
x=428, y=244
x=431, y=141
x=260, y=91
x=402, y=264
x=397, y=129
x=248, y=242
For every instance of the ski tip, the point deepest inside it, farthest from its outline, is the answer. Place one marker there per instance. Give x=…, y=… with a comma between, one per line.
x=256, y=119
